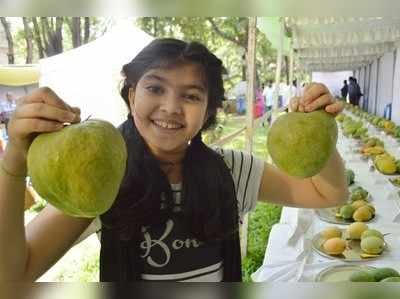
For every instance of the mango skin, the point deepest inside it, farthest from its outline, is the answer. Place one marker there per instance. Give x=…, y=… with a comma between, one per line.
x=80, y=168
x=300, y=144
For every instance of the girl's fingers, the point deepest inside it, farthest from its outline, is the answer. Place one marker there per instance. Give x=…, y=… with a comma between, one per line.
x=29, y=125
x=48, y=112
x=294, y=104
x=335, y=108
x=47, y=96
x=322, y=101
x=314, y=91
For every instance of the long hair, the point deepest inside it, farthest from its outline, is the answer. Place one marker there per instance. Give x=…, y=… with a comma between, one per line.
x=208, y=188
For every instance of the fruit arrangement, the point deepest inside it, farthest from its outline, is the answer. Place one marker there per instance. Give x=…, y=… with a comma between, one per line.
x=336, y=241
x=372, y=146
x=375, y=275
x=387, y=164
x=353, y=128
x=358, y=208
x=388, y=126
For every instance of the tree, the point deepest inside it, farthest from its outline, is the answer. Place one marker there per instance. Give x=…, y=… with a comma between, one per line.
x=38, y=38
x=10, y=53
x=51, y=32
x=226, y=37
x=28, y=38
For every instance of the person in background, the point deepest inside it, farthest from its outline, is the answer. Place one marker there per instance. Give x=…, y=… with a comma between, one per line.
x=240, y=93
x=268, y=96
x=344, y=90
x=354, y=91
x=7, y=108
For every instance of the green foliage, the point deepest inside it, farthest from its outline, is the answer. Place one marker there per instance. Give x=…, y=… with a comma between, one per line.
x=85, y=271
x=229, y=44
x=260, y=224
x=97, y=27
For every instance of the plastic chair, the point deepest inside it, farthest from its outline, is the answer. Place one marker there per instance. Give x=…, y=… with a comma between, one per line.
x=387, y=112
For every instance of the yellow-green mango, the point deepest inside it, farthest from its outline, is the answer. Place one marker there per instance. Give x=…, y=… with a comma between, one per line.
x=300, y=144
x=80, y=168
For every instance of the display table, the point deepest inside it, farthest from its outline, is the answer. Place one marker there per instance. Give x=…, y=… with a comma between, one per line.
x=289, y=254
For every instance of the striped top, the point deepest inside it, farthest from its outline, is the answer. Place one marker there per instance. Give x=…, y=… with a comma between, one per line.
x=168, y=250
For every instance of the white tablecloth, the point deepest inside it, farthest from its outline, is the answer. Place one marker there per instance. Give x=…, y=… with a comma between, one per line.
x=289, y=255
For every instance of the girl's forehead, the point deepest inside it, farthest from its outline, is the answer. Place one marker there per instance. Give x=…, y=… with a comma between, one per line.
x=188, y=72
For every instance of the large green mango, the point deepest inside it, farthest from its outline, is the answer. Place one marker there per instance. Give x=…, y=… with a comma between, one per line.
x=80, y=168
x=300, y=143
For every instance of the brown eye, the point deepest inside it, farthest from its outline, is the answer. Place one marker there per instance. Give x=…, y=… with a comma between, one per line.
x=192, y=97
x=155, y=89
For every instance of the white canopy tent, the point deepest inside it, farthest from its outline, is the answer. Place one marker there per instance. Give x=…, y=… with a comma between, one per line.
x=367, y=46
x=89, y=76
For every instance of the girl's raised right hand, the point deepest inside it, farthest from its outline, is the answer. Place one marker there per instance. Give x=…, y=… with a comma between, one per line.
x=38, y=112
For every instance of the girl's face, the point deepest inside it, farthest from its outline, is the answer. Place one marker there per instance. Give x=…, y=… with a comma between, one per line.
x=169, y=107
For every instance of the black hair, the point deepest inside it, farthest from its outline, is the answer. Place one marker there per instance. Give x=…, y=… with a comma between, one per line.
x=210, y=207
x=168, y=52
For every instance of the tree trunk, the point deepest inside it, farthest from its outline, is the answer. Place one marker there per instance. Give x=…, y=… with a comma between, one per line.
x=76, y=32
x=287, y=71
x=10, y=42
x=48, y=46
x=29, y=42
x=52, y=37
x=38, y=38
x=87, y=30
x=58, y=38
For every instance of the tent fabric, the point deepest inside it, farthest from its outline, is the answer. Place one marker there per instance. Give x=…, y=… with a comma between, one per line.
x=373, y=87
x=396, y=89
x=19, y=75
x=385, y=77
x=271, y=27
x=342, y=43
x=89, y=76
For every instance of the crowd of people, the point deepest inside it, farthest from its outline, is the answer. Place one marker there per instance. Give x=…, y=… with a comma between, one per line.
x=264, y=95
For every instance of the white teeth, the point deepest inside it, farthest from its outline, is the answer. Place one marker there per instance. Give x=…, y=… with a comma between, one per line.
x=167, y=125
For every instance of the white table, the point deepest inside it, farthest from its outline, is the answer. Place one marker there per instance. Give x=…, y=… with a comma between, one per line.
x=289, y=255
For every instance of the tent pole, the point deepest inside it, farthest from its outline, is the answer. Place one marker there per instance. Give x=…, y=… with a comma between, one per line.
x=250, y=96
x=278, y=71
x=291, y=62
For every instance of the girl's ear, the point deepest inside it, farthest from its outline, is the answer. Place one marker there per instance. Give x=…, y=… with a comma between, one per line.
x=131, y=97
x=205, y=118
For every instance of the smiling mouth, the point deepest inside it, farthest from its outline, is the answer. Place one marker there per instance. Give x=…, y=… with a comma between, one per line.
x=167, y=124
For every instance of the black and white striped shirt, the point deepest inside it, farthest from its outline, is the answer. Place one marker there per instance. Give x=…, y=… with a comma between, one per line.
x=168, y=250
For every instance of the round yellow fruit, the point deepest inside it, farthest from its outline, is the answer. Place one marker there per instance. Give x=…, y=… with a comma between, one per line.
x=358, y=204
x=355, y=230
x=331, y=232
x=334, y=246
x=362, y=214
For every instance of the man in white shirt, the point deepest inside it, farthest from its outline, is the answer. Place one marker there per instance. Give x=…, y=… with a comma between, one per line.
x=268, y=95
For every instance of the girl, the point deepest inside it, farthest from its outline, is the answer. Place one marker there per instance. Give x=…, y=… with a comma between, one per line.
x=177, y=212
